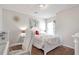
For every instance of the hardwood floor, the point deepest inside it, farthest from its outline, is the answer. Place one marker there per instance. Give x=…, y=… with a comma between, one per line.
x=17, y=47
x=61, y=50
x=36, y=51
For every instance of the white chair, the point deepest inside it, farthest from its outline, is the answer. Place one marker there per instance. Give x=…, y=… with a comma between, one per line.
x=26, y=45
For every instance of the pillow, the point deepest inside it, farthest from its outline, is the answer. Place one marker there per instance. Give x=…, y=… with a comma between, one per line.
x=36, y=32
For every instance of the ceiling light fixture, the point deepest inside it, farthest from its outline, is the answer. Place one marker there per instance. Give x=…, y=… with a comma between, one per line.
x=43, y=6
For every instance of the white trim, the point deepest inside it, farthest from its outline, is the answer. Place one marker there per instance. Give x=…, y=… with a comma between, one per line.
x=68, y=46
x=6, y=48
x=15, y=44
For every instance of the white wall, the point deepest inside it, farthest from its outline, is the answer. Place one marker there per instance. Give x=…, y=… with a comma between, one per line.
x=14, y=27
x=67, y=23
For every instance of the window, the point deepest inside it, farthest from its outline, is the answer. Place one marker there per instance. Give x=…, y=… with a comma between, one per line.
x=47, y=27
x=51, y=28
x=42, y=25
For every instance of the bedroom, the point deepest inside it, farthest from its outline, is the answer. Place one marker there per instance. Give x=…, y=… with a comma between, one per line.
x=38, y=29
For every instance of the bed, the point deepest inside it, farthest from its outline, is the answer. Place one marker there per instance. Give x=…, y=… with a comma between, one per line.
x=47, y=42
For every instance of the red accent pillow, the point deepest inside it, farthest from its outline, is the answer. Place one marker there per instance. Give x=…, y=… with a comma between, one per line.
x=36, y=33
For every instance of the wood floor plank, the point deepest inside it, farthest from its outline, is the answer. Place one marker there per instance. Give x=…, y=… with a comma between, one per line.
x=17, y=47
x=61, y=50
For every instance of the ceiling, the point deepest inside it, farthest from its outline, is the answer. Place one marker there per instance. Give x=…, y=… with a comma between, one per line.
x=34, y=9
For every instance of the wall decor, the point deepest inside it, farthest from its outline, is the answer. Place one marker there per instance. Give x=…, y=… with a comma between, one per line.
x=16, y=19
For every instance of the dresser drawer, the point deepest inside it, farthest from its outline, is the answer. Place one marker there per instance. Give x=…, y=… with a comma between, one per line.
x=2, y=48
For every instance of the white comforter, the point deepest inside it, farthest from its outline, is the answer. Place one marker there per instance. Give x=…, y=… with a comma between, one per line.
x=39, y=42
x=46, y=42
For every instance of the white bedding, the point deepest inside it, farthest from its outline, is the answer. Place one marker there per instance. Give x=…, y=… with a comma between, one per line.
x=39, y=42
x=46, y=42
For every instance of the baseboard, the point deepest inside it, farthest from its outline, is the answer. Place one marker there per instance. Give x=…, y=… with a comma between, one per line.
x=69, y=46
x=15, y=44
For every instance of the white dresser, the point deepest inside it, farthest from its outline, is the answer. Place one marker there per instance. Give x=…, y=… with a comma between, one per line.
x=3, y=43
x=4, y=47
x=76, y=40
